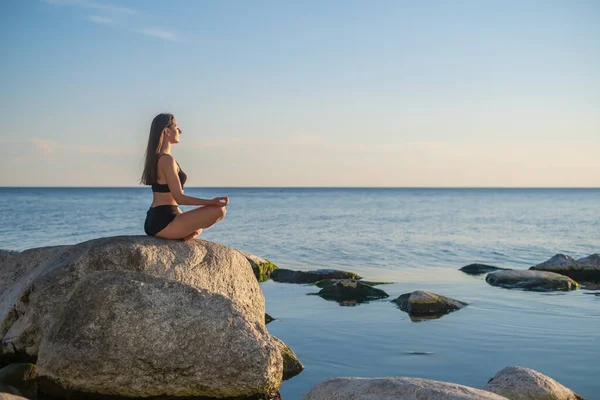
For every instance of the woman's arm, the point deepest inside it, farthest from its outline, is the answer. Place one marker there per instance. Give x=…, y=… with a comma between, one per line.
x=168, y=166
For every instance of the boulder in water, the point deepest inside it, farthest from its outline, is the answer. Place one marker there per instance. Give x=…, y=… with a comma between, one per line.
x=539, y=281
x=349, y=292
x=518, y=383
x=425, y=304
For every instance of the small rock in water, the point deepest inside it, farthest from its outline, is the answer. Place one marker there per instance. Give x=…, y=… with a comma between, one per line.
x=539, y=281
x=425, y=305
x=350, y=292
x=525, y=383
x=291, y=276
x=478, y=269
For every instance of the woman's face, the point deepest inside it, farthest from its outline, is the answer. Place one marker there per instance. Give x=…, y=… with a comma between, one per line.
x=173, y=131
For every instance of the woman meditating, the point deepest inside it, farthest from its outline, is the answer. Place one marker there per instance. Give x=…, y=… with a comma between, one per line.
x=164, y=218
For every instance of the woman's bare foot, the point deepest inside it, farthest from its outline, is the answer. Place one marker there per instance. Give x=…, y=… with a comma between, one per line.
x=192, y=235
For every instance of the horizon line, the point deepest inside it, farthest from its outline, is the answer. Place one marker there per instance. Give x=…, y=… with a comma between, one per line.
x=306, y=187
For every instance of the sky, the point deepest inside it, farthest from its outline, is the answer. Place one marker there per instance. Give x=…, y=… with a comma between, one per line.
x=299, y=93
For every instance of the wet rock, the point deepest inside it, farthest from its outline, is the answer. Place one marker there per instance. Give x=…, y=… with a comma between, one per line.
x=539, y=281
x=291, y=365
x=350, y=292
x=478, y=269
x=21, y=376
x=585, y=269
x=268, y=318
x=290, y=276
x=395, y=388
x=329, y=282
x=520, y=383
x=262, y=268
x=425, y=305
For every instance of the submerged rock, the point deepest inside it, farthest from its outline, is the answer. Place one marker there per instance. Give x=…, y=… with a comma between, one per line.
x=426, y=305
x=478, y=269
x=585, y=269
x=539, y=281
x=349, y=292
x=262, y=268
x=290, y=276
x=395, y=388
x=518, y=383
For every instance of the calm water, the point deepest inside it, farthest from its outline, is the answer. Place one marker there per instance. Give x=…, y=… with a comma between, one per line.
x=417, y=238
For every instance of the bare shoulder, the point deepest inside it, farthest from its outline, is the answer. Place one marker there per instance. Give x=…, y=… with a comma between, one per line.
x=166, y=160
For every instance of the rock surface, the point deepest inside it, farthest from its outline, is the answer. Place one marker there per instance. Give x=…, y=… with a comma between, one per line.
x=129, y=334
x=520, y=383
x=262, y=268
x=36, y=284
x=6, y=254
x=38, y=310
x=539, y=281
x=351, y=292
x=290, y=276
x=291, y=365
x=399, y=388
x=328, y=282
x=478, y=269
x=422, y=303
x=585, y=269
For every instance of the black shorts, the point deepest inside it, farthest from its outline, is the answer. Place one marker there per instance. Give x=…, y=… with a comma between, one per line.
x=157, y=218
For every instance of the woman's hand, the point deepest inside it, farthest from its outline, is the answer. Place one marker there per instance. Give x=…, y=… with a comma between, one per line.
x=220, y=201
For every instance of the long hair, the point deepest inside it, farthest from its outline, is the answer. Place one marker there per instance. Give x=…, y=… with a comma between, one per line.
x=155, y=142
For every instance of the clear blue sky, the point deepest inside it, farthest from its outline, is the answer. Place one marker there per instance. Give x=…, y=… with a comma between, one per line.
x=303, y=93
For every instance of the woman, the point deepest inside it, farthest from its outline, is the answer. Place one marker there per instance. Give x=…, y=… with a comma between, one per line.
x=164, y=219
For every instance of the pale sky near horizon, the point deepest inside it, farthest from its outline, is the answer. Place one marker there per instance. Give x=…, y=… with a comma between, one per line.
x=392, y=93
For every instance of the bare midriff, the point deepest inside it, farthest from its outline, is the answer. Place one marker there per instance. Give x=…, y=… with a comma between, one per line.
x=163, y=199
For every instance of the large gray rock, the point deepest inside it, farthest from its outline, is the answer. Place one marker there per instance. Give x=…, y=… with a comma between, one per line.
x=520, y=383
x=539, y=281
x=399, y=388
x=6, y=254
x=291, y=276
x=421, y=303
x=585, y=269
x=129, y=334
x=36, y=284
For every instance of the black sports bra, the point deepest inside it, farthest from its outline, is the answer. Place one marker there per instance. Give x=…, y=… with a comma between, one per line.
x=164, y=188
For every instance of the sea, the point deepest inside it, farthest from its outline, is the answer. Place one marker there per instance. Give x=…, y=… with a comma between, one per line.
x=416, y=238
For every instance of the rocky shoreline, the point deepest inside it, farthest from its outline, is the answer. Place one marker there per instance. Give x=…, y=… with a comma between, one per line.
x=141, y=317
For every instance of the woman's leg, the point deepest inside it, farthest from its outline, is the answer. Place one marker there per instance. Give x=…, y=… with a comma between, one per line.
x=185, y=224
